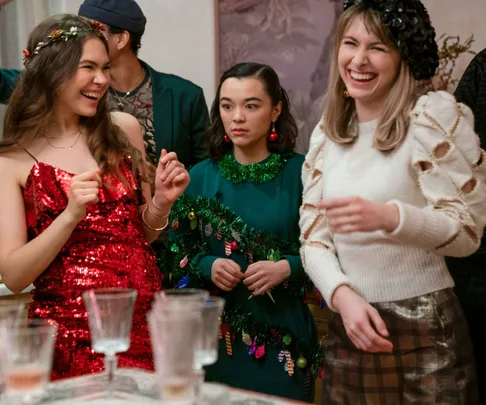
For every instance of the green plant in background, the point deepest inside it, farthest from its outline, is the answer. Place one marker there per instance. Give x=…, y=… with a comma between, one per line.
x=451, y=48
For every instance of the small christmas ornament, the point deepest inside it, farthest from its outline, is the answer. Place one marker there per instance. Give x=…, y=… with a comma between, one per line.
x=246, y=338
x=275, y=335
x=229, y=348
x=234, y=246
x=227, y=248
x=273, y=136
x=260, y=351
x=193, y=224
x=175, y=224
x=184, y=262
x=252, y=347
x=191, y=216
x=219, y=235
x=174, y=248
x=289, y=363
x=249, y=257
x=274, y=255
x=301, y=362
x=287, y=340
x=208, y=229
x=289, y=366
x=183, y=282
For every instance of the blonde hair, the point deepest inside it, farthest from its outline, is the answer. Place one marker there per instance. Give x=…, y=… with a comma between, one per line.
x=339, y=118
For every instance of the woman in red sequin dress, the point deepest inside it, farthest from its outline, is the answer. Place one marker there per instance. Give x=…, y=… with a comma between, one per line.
x=73, y=214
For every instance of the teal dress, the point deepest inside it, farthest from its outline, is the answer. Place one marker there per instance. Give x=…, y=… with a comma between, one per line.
x=248, y=214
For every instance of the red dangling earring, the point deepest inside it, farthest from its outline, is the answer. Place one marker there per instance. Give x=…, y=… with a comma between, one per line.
x=273, y=136
x=226, y=138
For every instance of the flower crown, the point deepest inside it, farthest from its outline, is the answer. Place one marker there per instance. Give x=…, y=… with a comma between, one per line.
x=409, y=24
x=64, y=35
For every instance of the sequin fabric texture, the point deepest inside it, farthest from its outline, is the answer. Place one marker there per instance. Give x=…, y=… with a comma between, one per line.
x=106, y=249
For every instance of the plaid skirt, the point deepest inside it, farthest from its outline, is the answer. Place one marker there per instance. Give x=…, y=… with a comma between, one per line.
x=432, y=360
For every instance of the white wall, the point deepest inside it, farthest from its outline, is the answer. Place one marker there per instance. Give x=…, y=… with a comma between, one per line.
x=180, y=37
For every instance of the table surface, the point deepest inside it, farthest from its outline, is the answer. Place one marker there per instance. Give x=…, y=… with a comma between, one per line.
x=146, y=383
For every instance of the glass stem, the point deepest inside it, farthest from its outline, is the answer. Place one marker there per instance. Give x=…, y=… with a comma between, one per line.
x=199, y=375
x=111, y=363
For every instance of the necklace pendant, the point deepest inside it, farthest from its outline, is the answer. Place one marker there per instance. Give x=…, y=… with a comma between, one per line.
x=120, y=106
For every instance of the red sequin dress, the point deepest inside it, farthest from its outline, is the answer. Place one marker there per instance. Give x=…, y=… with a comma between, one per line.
x=106, y=249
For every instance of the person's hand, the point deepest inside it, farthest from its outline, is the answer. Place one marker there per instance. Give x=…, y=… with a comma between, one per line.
x=226, y=274
x=266, y=274
x=171, y=179
x=355, y=214
x=358, y=317
x=84, y=190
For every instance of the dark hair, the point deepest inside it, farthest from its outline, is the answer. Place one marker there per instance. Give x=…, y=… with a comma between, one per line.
x=135, y=39
x=285, y=124
x=31, y=104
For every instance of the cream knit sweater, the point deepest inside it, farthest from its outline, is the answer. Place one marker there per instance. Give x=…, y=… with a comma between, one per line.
x=437, y=216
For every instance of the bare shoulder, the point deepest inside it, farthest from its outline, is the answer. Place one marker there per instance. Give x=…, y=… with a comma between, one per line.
x=130, y=127
x=15, y=166
x=128, y=123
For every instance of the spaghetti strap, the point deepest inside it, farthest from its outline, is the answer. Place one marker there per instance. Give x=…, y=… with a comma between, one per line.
x=30, y=154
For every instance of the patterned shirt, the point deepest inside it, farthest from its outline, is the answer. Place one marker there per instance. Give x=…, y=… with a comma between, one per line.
x=139, y=104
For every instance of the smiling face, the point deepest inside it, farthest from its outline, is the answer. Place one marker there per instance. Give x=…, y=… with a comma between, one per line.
x=82, y=93
x=247, y=112
x=368, y=66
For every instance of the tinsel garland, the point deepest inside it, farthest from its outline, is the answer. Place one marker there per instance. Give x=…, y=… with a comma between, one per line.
x=210, y=216
x=255, y=173
x=243, y=324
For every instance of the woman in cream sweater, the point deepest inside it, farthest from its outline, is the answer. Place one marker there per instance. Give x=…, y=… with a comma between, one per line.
x=393, y=182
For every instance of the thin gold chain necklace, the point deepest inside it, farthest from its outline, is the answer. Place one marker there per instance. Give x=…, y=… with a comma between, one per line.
x=72, y=146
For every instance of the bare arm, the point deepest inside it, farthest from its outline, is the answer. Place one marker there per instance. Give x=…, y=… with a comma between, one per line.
x=154, y=214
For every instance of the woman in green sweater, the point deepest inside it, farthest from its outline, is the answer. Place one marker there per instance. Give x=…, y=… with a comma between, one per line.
x=236, y=233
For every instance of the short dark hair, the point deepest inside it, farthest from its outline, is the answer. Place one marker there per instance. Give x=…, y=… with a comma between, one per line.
x=285, y=124
x=135, y=39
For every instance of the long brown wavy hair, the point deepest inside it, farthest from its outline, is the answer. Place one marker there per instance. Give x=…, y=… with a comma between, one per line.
x=31, y=103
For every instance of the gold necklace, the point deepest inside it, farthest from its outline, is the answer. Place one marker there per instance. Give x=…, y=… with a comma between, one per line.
x=72, y=146
x=121, y=100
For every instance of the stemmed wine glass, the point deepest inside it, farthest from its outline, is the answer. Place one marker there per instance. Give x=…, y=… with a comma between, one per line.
x=110, y=313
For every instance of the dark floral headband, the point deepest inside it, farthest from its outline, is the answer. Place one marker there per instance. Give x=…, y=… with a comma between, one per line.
x=64, y=35
x=411, y=29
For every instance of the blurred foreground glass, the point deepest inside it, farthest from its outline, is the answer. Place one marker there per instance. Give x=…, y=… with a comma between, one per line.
x=174, y=331
x=110, y=313
x=26, y=359
x=10, y=316
x=207, y=345
x=188, y=294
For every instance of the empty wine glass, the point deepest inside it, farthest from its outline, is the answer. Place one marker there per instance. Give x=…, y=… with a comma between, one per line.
x=174, y=331
x=26, y=359
x=207, y=346
x=10, y=316
x=110, y=312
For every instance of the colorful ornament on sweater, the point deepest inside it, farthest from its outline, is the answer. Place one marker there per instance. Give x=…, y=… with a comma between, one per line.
x=289, y=363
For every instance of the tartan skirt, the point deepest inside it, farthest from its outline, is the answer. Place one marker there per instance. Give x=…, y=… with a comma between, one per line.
x=432, y=361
